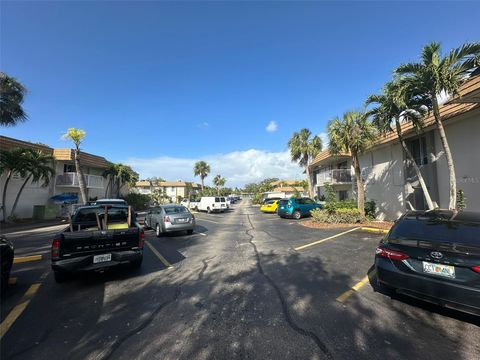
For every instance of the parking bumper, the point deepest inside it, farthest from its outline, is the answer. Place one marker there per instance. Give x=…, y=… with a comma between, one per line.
x=85, y=263
x=440, y=292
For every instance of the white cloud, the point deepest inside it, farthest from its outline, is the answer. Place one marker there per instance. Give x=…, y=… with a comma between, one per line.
x=203, y=125
x=272, y=126
x=324, y=137
x=238, y=167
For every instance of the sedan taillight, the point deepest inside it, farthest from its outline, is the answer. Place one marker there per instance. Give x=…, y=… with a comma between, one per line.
x=166, y=219
x=391, y=254
x=141, y=239
x=476, y=268
x=56, y=249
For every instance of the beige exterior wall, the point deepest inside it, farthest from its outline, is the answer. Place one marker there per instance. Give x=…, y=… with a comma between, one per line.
x=464, y=139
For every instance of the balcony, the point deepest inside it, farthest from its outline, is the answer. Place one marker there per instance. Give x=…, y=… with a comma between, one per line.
x=335, y=176
x=71, y=179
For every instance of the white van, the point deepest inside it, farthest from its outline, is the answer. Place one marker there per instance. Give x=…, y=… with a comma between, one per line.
x=212, y=204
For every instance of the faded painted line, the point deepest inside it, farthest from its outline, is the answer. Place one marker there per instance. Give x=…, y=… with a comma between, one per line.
x=160, y=256
x=323, y=240
x=215, y=222
x=18, y=310
x=24, y=259
x=375, y=230
x=342, y=298
x=199, y=233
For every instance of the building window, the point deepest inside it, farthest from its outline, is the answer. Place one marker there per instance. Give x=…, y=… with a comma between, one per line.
x=68, y=168
x=342, y=195
x=418, y=147
x=342, y=165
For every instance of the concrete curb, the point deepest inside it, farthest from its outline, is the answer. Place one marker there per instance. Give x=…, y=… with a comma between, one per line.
x=374, y=230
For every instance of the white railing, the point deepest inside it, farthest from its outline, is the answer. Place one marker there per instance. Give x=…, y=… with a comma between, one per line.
x=335, y=176
x=71, y=179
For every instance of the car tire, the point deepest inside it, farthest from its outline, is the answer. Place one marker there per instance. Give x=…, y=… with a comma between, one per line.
x=158, y=230
x=189, y=232
x=297, y=215
x=208, y=210
x=60, y=276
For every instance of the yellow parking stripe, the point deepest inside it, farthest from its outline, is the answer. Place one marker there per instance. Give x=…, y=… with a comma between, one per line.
x=323, y=240
x=23, y=259
x=342, y=298
x=18, y=310
x=162, y=259
x=375, y=230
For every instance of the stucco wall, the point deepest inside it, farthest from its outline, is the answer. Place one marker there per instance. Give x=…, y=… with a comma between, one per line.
x=464, y=139
x=384, y=180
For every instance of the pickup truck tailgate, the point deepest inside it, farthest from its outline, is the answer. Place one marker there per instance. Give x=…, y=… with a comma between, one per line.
x=89, y=242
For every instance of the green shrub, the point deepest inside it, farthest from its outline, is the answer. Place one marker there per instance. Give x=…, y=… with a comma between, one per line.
x=138, y=201
x=257, y=199
x=338, y=216
x=370, y=209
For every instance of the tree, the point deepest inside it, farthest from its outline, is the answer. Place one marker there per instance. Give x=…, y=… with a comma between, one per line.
x=219, y=182
x=37, y=167
x=303, y=149
x=436, y=75
x=11, y=162
x=355, y=134
x=12, y=93
x=77, y=136
x=117, y=175
x=201, y=169
x=400, y=103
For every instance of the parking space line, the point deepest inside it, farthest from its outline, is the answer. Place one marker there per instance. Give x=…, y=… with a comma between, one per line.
x=18, y=309
x=160, y=256
x=199, y=233
x=323, y=240
x=342, y=298
x=24, y=259
x=215, y=222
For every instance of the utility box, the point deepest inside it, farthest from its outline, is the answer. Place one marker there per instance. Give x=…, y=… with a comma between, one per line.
x=45, y=212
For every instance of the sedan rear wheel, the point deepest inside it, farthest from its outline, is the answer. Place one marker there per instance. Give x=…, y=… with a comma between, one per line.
x=158, y=232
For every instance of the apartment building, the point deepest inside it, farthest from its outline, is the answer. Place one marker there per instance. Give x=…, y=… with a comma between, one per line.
x=389, y=177
x=64, y=182
x=171, y=189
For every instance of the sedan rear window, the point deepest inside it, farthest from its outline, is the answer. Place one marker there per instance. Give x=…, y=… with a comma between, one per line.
x=175, y=210
x=436, y=231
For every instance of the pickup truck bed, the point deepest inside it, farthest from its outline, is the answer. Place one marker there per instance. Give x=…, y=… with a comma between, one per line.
x=90, y=247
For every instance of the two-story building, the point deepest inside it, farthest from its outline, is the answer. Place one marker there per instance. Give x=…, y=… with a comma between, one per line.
x=64, y=182
x=171, y=189
x=389, y=176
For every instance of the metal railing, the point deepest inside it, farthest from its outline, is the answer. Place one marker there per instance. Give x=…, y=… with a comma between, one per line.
x=71, y=179
x=335, y=176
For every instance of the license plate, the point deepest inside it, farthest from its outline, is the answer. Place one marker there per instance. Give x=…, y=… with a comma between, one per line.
x=222, y=205
x=439, y=269
x=182, y=220
x=102, y=258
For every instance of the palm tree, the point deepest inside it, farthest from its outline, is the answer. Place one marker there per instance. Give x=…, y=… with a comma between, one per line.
x=303, y=149
x=437, y=75
x=355, y=134
x=11, y=162
x=219, y=182
x=38, y=167
x=118, y=175
x=12, y=93
x=396, y=104
x=110, y=174
x=77, y=136
x=201, y=169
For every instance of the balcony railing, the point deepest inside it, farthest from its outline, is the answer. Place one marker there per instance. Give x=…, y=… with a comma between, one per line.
x=71, y=179
x=335, y=176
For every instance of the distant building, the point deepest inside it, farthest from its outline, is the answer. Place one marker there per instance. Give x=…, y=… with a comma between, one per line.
x=171, y=189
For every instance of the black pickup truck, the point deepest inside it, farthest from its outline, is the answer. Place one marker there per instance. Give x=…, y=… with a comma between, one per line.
x=98, y=237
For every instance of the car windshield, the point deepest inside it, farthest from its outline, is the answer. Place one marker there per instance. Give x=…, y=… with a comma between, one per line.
x=175, y=209
x=436, y=231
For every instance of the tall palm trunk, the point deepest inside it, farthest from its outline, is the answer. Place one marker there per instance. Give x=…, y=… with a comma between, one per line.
x=81, y=179
x=12, y=212
x=201, y=177
x=448, y=154
x=421, y=180
x=360, y=187
x=4, y=195
x=309, y=182
x=109, y=182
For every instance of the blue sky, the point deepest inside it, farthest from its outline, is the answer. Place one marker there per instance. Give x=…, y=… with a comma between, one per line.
x=159, y=85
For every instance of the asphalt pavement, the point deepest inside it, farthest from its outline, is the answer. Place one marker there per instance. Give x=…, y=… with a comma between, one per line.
x=244, y=285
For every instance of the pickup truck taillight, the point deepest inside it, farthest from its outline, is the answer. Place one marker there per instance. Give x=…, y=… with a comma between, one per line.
x=141, y=239
x=56, y=248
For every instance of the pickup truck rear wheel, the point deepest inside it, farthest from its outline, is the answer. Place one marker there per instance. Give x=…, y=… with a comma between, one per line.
x=189, y=232
x=60, y=276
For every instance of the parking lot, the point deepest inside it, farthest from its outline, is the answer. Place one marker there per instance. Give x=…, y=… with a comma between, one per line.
x=244, y=285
